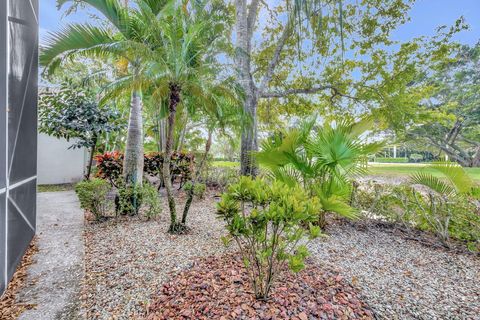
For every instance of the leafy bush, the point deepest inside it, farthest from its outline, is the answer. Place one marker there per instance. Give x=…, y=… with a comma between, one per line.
x=131, y=198
x=151, y=201
x=322, y=159
x=416, y=157
x=198, y=190
x=391, y=160
x=93, y=196
x=181, y=165
x=266, y=221
x=220, y=177
x=446, y=206
x=392, y=203
x=109, y=166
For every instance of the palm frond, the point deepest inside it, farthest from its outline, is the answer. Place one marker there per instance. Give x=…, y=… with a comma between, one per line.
x=111, y=9
x=455, y=174
x=433, y=183
x=74, y=38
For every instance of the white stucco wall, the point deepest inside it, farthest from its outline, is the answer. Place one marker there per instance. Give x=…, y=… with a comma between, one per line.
x=56, y=163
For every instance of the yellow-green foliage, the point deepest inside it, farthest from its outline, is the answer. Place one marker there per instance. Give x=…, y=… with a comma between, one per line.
x=267, y=221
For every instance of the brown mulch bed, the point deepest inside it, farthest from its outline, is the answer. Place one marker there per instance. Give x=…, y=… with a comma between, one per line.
x=9, y=307
x=219, y=288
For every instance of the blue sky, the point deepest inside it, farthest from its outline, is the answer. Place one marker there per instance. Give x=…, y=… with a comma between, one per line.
x=426, y=16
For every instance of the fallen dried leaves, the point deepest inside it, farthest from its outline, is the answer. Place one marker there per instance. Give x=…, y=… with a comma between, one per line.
x=218, y=288
x=9, y=308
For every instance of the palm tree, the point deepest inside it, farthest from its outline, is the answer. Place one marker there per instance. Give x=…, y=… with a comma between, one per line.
x=322, y=159
x=186, y=67
x=127, y=42
x=438, y=210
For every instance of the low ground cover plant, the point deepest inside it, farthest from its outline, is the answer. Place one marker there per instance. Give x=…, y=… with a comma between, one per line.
x=268, y=223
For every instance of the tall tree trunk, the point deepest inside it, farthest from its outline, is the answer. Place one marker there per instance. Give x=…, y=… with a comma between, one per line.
x=90, y=161
x=243, y=62
x=172, y=109
x=133, y=162
x=190, y=194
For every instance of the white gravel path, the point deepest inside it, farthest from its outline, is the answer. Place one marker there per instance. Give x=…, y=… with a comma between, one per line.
x=403, y=279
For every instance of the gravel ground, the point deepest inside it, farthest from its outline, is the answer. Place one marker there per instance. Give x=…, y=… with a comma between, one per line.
x=403, y=279
x=126, y=261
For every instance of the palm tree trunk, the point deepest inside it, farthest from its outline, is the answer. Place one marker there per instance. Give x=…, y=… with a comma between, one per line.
x=190, y=194
x=172, y=109
x=133, y=162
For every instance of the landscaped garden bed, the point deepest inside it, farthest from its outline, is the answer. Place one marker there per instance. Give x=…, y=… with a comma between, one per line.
x=141, y=268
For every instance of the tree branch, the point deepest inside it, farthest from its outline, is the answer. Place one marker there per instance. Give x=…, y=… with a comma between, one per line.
x=313, y=90
x=276, y=57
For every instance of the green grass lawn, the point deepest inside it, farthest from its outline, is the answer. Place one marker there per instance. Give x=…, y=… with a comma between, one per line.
x=383, y=169
x=55, y=187
x=399, y=170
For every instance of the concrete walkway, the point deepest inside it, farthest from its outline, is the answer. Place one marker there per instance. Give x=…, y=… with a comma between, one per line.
x=54, y=280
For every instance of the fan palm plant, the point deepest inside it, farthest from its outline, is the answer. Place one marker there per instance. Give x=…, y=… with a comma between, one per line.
x=186, y=68
x=322, y=159
x=444, y=193
x=128, y=42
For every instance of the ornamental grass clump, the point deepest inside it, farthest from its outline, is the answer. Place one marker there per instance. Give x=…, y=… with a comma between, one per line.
x=268, y=221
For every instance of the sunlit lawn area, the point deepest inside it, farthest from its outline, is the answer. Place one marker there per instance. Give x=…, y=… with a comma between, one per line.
x=382, y=169
x=400, y=169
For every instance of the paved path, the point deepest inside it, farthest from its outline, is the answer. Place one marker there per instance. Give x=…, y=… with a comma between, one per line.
x=54, y=280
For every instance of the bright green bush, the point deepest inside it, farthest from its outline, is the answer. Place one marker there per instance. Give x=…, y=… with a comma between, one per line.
x=267, y=221
x=92, y=195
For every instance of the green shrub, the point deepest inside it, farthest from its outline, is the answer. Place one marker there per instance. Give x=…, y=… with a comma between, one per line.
x=133, y=198
x=453, y=216
x=151, y=201
x=391, y=203
x=391, y=160
x=199, y=189
x=130, y=199
x=449, y=217
x=93, y=196
x=416, y=157
x=266, y=221
x=220, y=177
